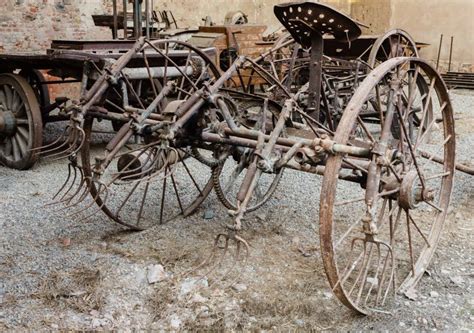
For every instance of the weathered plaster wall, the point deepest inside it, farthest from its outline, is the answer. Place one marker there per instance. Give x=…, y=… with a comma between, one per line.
x=427, y=20
x=191, y=13
x=373, y=13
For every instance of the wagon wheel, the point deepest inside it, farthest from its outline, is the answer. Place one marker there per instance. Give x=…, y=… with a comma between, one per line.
x=229, y=175
x=145, y=181
x=20, y=123
x=394, y=43
x=379, y=238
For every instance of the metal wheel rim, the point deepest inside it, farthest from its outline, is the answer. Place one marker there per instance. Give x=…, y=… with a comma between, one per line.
x=330, y=180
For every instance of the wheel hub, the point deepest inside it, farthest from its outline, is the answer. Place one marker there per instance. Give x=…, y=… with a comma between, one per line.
x=412, y=192
x=7, y=123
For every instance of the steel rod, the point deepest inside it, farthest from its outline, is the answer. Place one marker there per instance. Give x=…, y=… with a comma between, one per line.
x=439, y=51
x=125, y=20
x=450, y=53
x=115, y=27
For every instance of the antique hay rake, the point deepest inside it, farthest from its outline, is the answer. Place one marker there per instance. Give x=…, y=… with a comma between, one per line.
x=184, y=128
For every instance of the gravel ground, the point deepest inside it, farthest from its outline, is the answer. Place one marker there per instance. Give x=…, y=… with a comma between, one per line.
x=58, y=273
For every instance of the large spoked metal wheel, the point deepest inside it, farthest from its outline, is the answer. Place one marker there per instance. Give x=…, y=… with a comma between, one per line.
x=379, y=238
x=229, y=175
x=145, y=185
x=140, y=180
x=394, y=43
x=20, y=123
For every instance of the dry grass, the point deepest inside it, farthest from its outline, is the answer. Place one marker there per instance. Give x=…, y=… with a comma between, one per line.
x=78, y=289
x=161, y=298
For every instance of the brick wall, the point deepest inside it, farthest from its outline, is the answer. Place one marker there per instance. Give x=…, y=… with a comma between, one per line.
x=30, y=25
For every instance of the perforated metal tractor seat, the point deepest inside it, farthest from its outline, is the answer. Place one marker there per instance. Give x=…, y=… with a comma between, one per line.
x=303, y=18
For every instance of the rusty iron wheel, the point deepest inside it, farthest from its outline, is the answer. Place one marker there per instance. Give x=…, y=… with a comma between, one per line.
x=229, y=175
x=394, y=43
x=139, y=199
x=20, y=123
x=146, y=182
x=378, y=238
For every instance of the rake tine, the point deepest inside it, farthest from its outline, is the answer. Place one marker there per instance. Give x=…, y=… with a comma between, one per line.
x=392, y=274
x=74, y=145
x=364, y=265
x=379, y=257
x=211, y=256
x=240, y=242
x=69, y=167
x=93, y=201
x=166, y=167
x=55, y=150
x=63, y=198
x=99, y=208
x=221, y=258
x=74, y=181
x=68, y=199
x=83, y=195
x=117, y=174
x=382, y=278
x=346, y=273
x=55, y=142
x=132, y=176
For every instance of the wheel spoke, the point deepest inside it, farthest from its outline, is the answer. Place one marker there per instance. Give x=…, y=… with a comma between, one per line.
x=140, y=211
x=3, y=99
x=176, y=191
x=410, y=245
x=190, y=175
x=16, y=149
x=22, y=144
x=163, y=194
x=9, y=96
x=418, y=229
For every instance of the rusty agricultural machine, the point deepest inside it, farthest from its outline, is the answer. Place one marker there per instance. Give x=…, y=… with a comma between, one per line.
x=375, y=122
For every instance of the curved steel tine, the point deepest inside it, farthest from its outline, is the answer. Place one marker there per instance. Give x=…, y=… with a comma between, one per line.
x=116, y=175
x=159, y=155
x=158, y=175
x=379, y=244
x=79, y=186
x=382, y=276
x=73, y=182
x=239, y=243
x=69, y=167
x=79, y=142
x=350, y=264
x=69, y=198
x=93, y=200
x=365, y=262
x=99, y=207
x=392, y=279
x=211, y=256
x=375, y=277
x=133, y=176
x=55, y=142
x=81, y=198
x=74, y=145
x=54, y=150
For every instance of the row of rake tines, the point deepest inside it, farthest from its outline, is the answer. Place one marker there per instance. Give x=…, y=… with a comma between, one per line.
x=73, y=195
